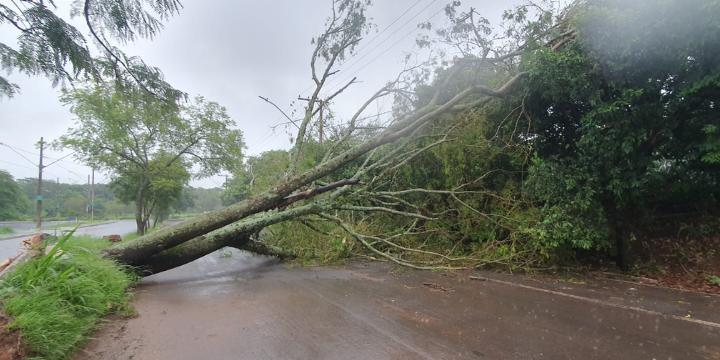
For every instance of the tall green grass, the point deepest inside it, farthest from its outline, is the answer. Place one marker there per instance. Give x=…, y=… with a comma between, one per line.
x=57, y=300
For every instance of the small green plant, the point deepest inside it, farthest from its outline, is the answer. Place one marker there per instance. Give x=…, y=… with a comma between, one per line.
x=713, y=280
x=5, y=230
x=341, y=247
x=57, y=300
x=45, y=263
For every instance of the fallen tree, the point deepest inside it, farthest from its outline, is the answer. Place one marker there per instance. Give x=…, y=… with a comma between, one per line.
x=464, y=85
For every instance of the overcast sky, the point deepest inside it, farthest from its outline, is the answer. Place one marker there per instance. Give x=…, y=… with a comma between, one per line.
x=229, y=51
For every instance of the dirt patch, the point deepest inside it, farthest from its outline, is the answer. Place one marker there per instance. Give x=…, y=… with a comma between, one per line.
x=11, y=347
x=689, y=264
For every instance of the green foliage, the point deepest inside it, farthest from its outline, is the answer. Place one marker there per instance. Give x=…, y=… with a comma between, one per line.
x=199, y=200
x=51, y=46
x=12, y=201
x=348, y=22
x=57, y=300
x=711, y=147
x=150, y=144
x=258, y=174
x=118, y=127
x=569, y=215
x=620, y=122
x=316, y=243
x=625, y=110
x=64, y=200
x=44, y=264
x=713, y=280
x=164, y=187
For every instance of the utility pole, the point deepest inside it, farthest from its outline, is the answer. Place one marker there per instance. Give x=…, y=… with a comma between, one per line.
x=57, y=196
x=39, y=197
x=87, y=208
x=92, y=196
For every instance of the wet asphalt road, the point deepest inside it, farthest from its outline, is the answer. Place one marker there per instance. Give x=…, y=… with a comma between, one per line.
x=11, y=246
x=245, y=307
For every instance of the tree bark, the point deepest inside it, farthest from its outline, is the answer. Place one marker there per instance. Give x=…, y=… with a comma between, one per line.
x=235, y=235
x=139, y=219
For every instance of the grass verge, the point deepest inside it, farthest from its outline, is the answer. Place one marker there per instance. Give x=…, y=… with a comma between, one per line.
x=5, y=230
x=56, y=300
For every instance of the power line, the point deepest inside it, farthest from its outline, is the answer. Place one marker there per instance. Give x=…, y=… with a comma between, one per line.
x=354, y=59
x=16, y=164
x=60, y=159
x=392, y=23
x=357, y=60
x=26, y=151
x=72, y=172
x=17, y=152
x=382, y=31
x=347, y=78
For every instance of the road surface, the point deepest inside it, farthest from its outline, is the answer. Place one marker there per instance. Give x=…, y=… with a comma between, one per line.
x=26, y=227
x=244, y=307
x=11, y=246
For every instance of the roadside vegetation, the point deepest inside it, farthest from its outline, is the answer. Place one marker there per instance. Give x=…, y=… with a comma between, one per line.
x=57, y=300
x=607, y=154
x=62, y=201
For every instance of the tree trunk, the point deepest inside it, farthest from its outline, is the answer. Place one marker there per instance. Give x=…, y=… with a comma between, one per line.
x=619, y=236
x=139, y=221
x=235, y=235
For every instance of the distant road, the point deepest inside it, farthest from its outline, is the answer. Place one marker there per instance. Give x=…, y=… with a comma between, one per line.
x=24, y=227
x=11, y=246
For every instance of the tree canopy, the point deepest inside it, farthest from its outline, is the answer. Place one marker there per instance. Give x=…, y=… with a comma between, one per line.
x=151, y=146
x=51, y=46
x=12, y=201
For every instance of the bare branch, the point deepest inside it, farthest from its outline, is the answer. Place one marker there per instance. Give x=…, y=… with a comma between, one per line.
x=290, y=120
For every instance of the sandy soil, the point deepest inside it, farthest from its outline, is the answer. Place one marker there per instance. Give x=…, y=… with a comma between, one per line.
x=10, y=346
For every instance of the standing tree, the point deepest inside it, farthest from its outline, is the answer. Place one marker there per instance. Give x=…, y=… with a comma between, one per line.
x=153, y=190
x=150, y=145
x=13, y=202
